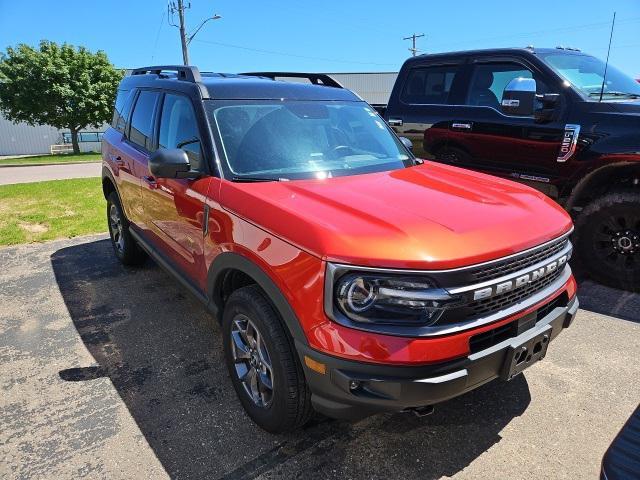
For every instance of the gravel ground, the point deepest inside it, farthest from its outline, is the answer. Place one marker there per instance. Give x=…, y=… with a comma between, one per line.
x=107, y=372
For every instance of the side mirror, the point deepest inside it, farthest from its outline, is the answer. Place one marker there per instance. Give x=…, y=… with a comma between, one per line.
x=407, y=143
x=519, y=97
x=170, y=163
x=548, y=103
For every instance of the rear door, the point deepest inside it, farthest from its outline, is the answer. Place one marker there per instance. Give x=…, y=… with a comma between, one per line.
x=135, y=150
x=483, y=138
x=421, y=108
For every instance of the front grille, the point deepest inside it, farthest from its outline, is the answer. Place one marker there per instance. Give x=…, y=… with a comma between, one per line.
x=492, y=337
x=505, y=267
x=499, y=302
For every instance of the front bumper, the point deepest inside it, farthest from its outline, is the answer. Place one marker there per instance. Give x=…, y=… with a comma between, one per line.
x=352, y=390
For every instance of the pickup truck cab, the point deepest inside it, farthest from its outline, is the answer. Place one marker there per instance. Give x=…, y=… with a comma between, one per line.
x=544, y=117
x=349, y=277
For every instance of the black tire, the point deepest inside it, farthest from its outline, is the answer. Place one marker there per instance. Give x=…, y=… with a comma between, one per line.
x=607, y=240
x=124, y=246
x=288, y=406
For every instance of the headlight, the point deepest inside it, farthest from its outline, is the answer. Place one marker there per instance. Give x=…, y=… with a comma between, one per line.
x=397, y=300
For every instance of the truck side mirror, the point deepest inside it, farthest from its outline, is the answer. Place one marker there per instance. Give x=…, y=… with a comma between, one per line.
x=407, y=143
x=519, y=97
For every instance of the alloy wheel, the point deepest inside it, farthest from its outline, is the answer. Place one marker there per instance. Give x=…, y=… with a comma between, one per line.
x=252, y=361
x=115, y=226
x=618, y=241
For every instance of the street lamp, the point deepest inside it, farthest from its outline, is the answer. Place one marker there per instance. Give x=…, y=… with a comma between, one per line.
x=190, y=37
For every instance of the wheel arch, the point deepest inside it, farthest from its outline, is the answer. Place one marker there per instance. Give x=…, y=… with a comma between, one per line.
x=231, y=263
x=603, y=180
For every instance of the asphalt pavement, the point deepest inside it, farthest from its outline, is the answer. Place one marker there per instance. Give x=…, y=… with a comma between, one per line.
x=39, y=173
x=110, y=372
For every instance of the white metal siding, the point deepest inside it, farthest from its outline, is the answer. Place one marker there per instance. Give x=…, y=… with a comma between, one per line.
x=372, y=87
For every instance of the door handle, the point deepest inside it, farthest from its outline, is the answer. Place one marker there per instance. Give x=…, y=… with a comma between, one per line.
x=461, y=126
x=395, y=122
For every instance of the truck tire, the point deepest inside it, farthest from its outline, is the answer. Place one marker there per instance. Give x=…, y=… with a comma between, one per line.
x=452, y=156
x=263, y=365
x=124, y=246
x=608, y=239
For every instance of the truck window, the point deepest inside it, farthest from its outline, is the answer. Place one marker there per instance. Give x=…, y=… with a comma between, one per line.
x=121, y=110
x=429, y=85
x=488, y=82
x=142, y=119
x=179, y=129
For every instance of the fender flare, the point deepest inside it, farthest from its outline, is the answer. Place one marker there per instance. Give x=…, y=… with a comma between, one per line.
x=234, y=261
x=584, y=184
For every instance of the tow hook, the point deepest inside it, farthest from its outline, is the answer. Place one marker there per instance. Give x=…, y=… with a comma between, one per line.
x=421, y=411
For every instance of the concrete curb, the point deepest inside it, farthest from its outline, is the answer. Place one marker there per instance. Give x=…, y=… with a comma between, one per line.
x=14, y=165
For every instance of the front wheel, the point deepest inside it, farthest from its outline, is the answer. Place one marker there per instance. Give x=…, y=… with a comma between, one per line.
x=262, y=363
x=608, y=239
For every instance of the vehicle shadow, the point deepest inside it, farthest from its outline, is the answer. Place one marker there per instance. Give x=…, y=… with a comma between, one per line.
x=162, y=353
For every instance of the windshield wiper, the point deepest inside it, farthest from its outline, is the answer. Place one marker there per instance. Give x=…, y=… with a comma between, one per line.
x=240, y=178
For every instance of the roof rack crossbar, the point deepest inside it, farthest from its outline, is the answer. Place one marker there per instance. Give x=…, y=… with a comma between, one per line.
x=188, y=73
x=315, y=78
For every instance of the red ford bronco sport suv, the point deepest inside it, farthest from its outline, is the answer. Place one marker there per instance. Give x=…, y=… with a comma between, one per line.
x=349, y=277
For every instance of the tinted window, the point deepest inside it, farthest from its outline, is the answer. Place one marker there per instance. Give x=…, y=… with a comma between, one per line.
x=179, y=128
x=488, y=83
x=429, y=85
x=142, y=119
x=121, y=110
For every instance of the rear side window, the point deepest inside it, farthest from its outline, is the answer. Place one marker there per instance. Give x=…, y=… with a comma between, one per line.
x=121, y=110
x=179, y=128
x=142, y=119
x=429, y=85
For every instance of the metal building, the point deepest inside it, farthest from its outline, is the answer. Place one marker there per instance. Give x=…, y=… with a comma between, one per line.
x=373, y=88
x=23, y=139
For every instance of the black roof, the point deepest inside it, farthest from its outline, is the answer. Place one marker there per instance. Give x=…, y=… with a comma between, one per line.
x=258, y=86
x=492, y=51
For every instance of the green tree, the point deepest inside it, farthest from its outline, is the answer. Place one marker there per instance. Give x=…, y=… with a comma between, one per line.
x=58, y=85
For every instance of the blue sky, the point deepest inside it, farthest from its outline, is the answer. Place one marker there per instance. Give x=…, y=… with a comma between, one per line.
x=331, y=36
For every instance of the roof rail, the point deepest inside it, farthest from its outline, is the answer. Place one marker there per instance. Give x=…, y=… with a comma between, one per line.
x=188, y=73
x=315, y=78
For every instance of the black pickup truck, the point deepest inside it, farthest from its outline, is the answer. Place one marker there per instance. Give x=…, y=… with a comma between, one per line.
x=549, y=118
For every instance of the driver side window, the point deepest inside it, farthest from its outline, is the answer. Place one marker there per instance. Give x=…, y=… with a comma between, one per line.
x=179, y=128
x=489, y=80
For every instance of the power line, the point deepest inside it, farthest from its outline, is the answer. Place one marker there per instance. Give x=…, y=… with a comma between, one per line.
x=286, y=54
x=413, y=48
x=155, y=44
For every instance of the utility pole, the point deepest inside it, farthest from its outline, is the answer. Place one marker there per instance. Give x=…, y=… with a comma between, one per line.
x=183, y=33
x=185, y=39
x=413, y=37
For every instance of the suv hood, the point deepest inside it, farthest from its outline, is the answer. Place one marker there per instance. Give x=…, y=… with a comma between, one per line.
x=430, y=216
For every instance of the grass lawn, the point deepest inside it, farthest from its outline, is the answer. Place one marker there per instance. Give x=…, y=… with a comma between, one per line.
x=62, y=158
x=34, y=212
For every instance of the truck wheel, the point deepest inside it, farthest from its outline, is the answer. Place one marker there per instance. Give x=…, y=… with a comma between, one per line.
x=124, y=246
x=452, y=156
x=608, y=239
x=262, y=363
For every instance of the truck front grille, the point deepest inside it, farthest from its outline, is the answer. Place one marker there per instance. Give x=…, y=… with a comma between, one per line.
x=505, y=267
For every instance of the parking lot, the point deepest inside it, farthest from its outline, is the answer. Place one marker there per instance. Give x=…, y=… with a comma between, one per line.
x=115, y=373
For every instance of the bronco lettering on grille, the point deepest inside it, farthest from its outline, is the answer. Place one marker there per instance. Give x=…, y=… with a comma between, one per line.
x=519, y=281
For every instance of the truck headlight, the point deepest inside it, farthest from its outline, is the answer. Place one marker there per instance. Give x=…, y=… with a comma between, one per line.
x=397, y=300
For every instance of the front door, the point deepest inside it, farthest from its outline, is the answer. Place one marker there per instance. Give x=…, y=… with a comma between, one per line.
x=174, y=209
x=483, y=138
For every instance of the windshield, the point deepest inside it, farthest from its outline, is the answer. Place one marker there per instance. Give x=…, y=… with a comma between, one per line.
x=286, y=140
x=586, y=74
